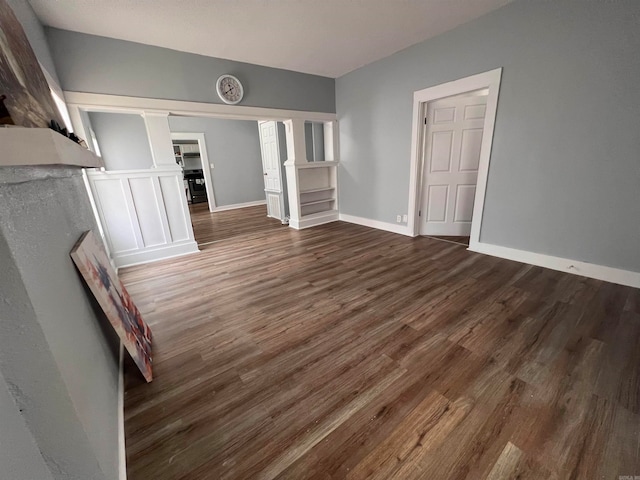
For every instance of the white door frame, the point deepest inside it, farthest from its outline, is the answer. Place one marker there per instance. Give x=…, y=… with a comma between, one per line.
x=490, y=80
x=204, y=160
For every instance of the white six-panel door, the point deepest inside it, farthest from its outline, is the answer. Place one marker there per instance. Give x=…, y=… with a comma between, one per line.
x=272, y=169
x=451, y=153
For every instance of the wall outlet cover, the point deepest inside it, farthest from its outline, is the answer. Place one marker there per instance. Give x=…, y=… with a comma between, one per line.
x=399, y=218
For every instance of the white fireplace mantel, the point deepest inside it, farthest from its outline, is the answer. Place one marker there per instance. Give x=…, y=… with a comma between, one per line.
x=21, y=146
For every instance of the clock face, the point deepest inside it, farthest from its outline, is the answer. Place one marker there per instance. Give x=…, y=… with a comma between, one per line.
x=229, y=89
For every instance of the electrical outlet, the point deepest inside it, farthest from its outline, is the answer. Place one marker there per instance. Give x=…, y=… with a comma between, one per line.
x=405, y=218
x=399, y=218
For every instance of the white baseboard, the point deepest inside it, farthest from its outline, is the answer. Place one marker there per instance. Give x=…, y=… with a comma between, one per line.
x=591, y=270
x=308, y=221
x=122, y=454
x=366, y=222
x=240, y=205
x=154, y=254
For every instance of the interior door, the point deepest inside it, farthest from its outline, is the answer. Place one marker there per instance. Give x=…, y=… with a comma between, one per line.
x=451, y=155
x=271, y=169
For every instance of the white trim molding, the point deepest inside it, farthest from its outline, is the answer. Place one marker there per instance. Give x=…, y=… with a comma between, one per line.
x=366, y=222
x=240, y=205
x=156, y=254
x=98, y=102
x=490, y=80
x=591, y=270
x=313, y=220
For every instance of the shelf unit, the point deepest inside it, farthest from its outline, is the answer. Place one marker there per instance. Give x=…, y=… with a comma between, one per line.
x=318, y=186
x=312, y=172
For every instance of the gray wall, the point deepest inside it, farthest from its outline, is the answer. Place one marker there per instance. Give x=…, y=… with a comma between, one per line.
x=58, y=356
x=233, y=147
x=122, y=139
x=88, y=63
x=19, y=455
x=564, y=176
x=35, y=34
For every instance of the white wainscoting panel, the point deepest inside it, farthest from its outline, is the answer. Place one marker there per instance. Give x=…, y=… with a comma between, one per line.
x=115, y=216
x=177, y=215
x=143, y=213
x=148, y=212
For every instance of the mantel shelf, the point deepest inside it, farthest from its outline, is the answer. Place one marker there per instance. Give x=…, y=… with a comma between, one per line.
x=42, y=146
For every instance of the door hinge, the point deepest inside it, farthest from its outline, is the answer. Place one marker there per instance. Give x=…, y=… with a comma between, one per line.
x=425, y=120
x=419, y=213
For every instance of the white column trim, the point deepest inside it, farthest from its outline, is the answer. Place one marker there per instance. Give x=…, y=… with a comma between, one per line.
x=159, y=136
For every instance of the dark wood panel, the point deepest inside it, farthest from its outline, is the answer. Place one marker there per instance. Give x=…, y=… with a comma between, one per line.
x=346, y=352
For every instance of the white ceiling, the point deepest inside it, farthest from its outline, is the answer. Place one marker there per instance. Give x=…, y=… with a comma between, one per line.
x=323, y=37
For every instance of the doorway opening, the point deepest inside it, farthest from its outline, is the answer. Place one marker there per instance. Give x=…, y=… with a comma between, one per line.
x=190, y=151
x=451, y=147
x=233, y=175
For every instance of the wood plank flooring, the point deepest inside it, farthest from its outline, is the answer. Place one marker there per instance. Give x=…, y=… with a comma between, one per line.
x=342, y=352
x=242, y=222
x=460, y=240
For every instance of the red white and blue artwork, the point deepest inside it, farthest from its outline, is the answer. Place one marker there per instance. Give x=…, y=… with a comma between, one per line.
x=91, y=258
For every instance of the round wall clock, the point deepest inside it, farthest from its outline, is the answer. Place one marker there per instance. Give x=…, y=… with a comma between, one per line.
x=229, y=89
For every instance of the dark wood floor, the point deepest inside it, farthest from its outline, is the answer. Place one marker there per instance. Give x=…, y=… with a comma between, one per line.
x=346, y=352
x=242, y=222
x=460, y=240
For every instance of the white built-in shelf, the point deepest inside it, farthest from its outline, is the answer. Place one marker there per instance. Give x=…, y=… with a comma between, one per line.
x=316, y=202
x=316, y=190
x=321, y=214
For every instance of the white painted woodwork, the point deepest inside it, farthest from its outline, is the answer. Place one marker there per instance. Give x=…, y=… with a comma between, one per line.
x=78, y=102
x=272, y=169
x=42, y=146
x=100, y=102
x=487, y=83
x=367, y=222
x=296, y=141
x=275, y=205
x=451, y=153
x=159, y=135
x=331, y=136
x=312, y=186
x=591, y=270
x=235, y=206
x=293, y=191
x=143, y=213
